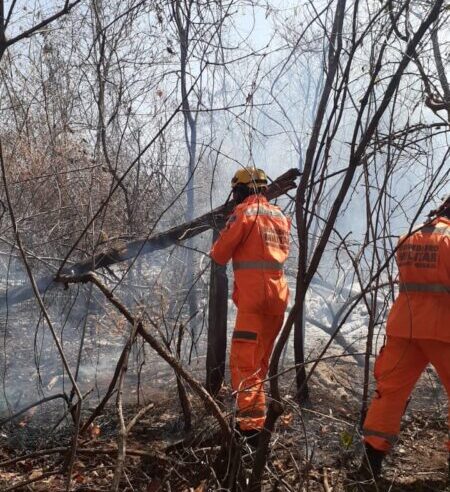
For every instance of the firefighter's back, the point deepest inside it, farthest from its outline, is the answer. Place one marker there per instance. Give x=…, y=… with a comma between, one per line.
x=422, y=309
x=259, y=259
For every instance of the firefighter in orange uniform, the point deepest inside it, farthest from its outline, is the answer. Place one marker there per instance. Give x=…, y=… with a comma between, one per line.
x=256, y=238
x=418, y=333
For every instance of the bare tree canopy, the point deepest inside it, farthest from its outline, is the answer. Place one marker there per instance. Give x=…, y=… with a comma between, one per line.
x=122, y=125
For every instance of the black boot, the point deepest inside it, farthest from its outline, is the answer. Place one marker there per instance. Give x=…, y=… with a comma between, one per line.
x=371, y=463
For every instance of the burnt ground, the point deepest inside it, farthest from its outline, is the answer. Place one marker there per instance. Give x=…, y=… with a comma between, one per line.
x=313, y=449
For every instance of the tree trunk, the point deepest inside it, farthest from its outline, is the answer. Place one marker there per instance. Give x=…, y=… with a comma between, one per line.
x=217, y=326
x=299, y=353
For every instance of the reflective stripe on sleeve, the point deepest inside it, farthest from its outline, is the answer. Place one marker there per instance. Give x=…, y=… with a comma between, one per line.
x=392, y=439
x=257, y=265
x=437, y=288
x=244, y=335
x=250, y=212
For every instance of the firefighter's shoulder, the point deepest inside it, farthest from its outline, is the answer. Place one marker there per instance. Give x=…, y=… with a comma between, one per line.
x=239, y=210
x=237, y=214
x=278, y=212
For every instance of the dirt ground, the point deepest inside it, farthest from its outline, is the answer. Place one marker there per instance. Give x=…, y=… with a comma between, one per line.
x=313, y=449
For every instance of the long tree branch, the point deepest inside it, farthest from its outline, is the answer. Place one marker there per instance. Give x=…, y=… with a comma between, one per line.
x=173, y=362
x=29, y=32
x=159, y=241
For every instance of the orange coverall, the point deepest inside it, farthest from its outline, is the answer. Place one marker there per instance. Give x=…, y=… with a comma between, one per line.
x=256, y=237
x=418, y=331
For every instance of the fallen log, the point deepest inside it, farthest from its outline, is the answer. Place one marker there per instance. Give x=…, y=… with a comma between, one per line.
x=144, y=246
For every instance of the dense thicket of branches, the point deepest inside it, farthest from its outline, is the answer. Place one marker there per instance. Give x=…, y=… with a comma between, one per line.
x=122, y=119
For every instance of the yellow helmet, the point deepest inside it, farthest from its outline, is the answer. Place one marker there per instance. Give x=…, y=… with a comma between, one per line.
x=255, y=179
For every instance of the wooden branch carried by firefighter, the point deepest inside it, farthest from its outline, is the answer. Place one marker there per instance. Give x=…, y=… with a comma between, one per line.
x=158, y=241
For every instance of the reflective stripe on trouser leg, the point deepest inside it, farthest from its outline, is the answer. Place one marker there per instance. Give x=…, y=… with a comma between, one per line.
x=379, y=440
x=397, y=369
x=252, y=344
x=250, y=398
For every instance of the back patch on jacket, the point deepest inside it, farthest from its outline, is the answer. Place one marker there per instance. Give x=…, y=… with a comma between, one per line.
x=418, y=255
x=276, y=237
